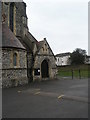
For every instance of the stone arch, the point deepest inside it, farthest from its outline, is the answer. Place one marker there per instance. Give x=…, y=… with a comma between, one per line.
x=45, y=69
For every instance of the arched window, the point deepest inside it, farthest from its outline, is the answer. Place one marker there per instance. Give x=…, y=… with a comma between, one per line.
x=11, y=16
x=15, y=59
x=43, y=48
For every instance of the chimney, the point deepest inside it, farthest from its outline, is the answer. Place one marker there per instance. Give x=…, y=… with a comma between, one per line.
x=44, y=38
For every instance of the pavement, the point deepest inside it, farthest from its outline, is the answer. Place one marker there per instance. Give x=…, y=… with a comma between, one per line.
x=62, y=98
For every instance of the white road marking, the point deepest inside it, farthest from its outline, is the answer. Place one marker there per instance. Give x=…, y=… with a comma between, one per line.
x=59, y=97
x=37, y=93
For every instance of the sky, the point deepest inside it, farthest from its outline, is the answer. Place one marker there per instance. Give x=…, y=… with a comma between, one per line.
x=64, y=23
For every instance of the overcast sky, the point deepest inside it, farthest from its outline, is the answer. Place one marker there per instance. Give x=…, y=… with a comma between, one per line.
x=64, y=23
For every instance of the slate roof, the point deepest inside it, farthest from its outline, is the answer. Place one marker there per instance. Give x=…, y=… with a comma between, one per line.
x=29, y=44
x=8, y=38
x=30, y=41
x=31, y=37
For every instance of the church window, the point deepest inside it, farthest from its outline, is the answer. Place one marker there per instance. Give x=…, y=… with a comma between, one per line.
x=11, y=16
x=43, y=48
x=45, y=45
x=15, y=59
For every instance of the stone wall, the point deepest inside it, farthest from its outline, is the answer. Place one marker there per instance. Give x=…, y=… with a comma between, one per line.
x=29, y=66
x=52, y=66
x=40, y=58
x=7, y=58
x=14, y=75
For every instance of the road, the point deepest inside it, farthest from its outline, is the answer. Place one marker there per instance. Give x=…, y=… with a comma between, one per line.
x=61, y=98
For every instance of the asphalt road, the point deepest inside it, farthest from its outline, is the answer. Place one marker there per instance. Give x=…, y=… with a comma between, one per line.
x=61, y=98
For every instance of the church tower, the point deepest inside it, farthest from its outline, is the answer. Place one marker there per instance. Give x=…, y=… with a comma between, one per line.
x=14, y=60
x=16, y=18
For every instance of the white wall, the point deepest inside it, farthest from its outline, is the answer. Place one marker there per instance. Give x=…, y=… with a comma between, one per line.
x=61, y=61
x=87, y=61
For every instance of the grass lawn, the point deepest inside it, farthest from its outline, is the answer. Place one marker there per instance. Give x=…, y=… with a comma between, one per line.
x=67, y=71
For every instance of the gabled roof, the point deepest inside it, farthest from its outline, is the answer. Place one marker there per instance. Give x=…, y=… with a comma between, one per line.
x=49, y=47
x=8, y=38
x=28, y=43
x=40, y=44
x=31, y=37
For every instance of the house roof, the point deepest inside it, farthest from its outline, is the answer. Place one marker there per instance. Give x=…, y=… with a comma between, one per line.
x=29, y=44
x=8, y=38
x=62, y=54
x=31, y=37
x=30, y=41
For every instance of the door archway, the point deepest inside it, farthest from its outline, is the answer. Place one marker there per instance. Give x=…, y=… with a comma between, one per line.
x=44, y=69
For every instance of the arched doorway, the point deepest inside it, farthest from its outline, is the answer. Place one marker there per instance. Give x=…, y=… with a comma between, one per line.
x=45, y=69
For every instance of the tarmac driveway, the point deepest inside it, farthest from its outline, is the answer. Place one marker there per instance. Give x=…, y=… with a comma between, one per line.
x=61, y=98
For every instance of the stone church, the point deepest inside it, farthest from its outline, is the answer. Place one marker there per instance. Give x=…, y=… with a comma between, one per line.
x=24, y=59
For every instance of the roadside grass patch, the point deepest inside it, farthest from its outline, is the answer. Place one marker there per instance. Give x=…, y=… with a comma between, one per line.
x=82, y=71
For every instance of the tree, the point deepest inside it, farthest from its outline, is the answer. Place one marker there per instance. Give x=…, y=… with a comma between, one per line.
x=77, y=57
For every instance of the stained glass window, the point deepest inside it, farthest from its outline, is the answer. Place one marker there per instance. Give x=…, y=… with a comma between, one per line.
x=15, y=59
x=11, y=16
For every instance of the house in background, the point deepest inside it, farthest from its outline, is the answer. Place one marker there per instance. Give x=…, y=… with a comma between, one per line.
x=63, y=59
x=87, y=60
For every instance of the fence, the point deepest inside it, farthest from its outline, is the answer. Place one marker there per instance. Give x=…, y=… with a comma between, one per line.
x=79, y=73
